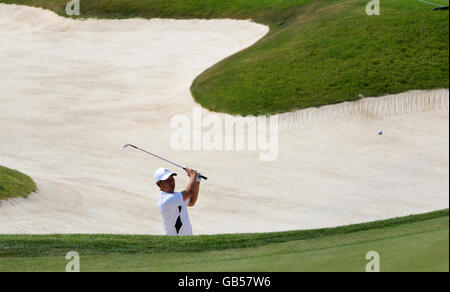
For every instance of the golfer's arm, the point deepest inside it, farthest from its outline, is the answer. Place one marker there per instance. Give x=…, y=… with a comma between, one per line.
x=190, y=190
x=195, y=195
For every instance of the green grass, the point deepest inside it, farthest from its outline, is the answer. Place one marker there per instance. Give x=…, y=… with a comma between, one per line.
x=14, y=184
x=318, y=52
x=332, y=53
x=413, y=243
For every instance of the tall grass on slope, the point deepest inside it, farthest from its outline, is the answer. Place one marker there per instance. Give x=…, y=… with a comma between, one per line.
x=58, y=244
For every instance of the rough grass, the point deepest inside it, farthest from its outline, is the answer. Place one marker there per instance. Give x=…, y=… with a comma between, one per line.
x=329, y=54
x=413, y=243
x=318, y=52
x=51, y=245
x=14, y=184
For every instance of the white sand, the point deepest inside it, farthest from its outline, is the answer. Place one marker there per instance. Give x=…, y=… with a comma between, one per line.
x=73, y=92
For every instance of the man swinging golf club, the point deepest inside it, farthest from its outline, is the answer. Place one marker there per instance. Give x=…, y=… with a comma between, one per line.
x=173, y=205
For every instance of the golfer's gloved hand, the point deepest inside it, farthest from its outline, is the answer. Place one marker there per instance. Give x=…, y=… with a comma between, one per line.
x=198, y=177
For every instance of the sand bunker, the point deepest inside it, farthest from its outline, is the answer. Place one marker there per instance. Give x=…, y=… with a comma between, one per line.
x=72, y=93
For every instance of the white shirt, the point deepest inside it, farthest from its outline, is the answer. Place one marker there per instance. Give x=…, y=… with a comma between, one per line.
x=174, y=214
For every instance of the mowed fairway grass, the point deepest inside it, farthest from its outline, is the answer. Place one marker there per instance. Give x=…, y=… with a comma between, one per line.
x=14, y=184
x=414, y=243
x=317, y=52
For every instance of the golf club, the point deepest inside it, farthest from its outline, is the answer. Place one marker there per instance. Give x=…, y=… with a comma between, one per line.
x=438, y=6
x=177, y=165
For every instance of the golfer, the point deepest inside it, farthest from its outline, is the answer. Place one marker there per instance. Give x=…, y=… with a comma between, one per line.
x=173, y=205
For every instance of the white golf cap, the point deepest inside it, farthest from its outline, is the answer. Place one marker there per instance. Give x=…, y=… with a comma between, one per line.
x=162, y=174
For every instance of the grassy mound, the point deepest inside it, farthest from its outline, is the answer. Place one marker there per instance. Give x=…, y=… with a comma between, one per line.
x=318, y=52
x=329, y=53
x=14, y=184
x=413, y=243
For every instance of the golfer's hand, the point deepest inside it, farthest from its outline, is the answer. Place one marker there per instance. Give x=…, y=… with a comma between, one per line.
x=191, y=172
x=199, y=177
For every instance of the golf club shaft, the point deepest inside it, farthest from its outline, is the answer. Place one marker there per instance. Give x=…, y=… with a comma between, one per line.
x=430, y=3
x=177, y=165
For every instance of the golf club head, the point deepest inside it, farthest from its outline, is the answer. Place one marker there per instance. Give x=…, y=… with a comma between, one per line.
x=127, y=145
